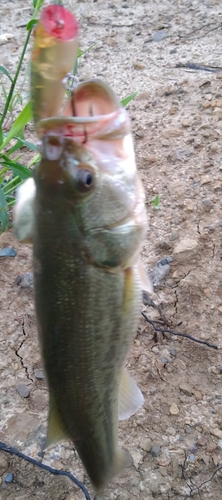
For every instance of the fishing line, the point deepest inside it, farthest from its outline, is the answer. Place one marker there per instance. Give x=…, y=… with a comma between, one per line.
x=163, y=330
x=55, y=472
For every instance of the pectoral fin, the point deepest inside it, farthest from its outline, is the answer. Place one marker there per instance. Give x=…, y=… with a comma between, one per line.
x=55, y=431
x=130, y=396
x=23, y=213
x=146, y=282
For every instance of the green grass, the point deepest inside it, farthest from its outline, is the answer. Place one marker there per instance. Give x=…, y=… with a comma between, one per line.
x=12, y=128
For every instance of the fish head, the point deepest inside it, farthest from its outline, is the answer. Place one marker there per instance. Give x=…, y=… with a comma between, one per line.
x=89, y=158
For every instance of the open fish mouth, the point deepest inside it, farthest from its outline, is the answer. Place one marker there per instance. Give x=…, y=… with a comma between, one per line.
x=92, y=111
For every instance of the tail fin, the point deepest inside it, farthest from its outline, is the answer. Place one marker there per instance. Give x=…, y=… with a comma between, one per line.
x=122, y=459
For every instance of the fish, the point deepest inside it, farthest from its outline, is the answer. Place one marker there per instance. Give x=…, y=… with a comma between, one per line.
x=53, y=57
x=84, y=212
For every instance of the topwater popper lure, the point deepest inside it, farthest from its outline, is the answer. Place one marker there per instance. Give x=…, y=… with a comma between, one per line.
x=85, y=213
x=54, y=55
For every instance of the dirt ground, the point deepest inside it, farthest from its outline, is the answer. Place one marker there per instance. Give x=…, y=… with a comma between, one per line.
x=176, y=438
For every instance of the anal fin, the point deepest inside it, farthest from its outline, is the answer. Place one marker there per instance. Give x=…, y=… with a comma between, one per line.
x=130, y=396
x=146, y=282
x=55, y=431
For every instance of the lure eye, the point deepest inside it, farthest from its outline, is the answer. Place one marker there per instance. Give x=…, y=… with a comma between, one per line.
x=85, y=180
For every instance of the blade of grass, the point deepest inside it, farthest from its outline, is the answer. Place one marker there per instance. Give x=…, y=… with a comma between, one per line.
x=5, y=71
x=129, y=98
x=17, y=168
x=1, y=135
x=3, y=211
x=20, y=122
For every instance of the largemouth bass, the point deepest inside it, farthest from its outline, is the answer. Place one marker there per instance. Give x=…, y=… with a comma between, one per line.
x=53, y=57
x=88, y=223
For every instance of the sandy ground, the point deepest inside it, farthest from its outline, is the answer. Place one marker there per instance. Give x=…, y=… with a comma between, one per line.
x=176, y=438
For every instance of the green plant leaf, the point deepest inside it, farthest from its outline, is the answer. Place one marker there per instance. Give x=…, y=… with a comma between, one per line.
x=17, y=168
x=156, y=202
x=129, y=98
x=30, y=25
x=20, y=122
x=1, y=135
x=81, y=52
x=37, y=4
x=5, y=71
x=10, y=199
x=3, y=211
x=27, y=144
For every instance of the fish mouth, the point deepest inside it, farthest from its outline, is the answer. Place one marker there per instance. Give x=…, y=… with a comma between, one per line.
x=92, y=112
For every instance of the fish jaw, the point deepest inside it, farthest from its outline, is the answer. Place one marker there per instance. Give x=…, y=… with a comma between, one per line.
x=54, y=54
x=92, y=111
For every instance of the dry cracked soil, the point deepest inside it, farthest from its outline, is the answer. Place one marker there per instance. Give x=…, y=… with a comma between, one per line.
x=171, y=52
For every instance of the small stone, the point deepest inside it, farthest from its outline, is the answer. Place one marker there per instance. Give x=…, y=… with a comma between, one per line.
x=146, y=445
x=207, y=292
x=211, y=447
x=164, y=361
x=202, y=441
x=185, y=388
x=165, y=355
x=123, y=496
x=155, y=450
x=140, y=134
x=163, y=461
x=8, y=252
x=198, y=395
x=216, y=459
x=208, y=204
x=206, y=104
x=220, y=309
x=39, y=373
x=185, y=245
x=186, y=123
x=25, y=281
x=174, y=236
x=206, y=133
x=216, y=432
x=205, y=179
x=188, y=429
x=174, y=410
x=192, y=457
x=160, y=271
x=214, y=370
x=157, y=36
x=172, y=132
x=172, y=352
x=23, y=390
x=165, y=143
x=8, y=478
x=137, y=457
x=220, y=443
x=138, y=65
x=155, y=349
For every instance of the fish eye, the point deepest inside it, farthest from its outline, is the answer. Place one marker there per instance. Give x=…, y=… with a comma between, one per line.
x=84, y=179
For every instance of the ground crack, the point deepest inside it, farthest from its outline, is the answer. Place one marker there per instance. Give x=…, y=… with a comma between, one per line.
x=176, y=301
x=19, y=356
